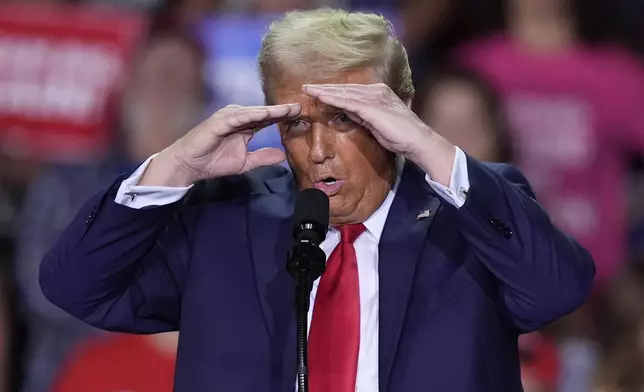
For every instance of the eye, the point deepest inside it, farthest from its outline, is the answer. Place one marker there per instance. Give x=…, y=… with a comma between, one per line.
x=343, y=122
x=296, y=126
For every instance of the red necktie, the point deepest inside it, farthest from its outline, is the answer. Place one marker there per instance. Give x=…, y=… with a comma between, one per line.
x=334, y=339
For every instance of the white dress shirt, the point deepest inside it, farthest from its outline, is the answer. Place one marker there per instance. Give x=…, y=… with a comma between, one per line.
x=366, y=246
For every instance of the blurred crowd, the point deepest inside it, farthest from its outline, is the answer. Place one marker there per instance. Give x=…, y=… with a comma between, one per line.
x=91, y=88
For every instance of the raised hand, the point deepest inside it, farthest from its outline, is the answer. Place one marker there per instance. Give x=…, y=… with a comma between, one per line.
x=377, y=108
x=219, y=147
x=390, y=120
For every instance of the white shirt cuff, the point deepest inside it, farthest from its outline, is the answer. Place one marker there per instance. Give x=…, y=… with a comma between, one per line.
x=136, y=196
x=459, y=183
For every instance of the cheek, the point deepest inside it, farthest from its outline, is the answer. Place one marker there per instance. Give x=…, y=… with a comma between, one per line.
x=296, y=148
x=297, y=151
x=359, y=149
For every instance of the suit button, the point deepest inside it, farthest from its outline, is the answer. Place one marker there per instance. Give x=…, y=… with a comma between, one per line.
x=92, y=215
x=506, y=232
x=499, y=226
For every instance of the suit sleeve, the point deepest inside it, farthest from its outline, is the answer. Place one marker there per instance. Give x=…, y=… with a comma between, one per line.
x=542, y=273
x=132, y=195
x=119, y=268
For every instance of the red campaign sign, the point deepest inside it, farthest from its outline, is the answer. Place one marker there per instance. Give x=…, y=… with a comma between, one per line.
x=59, y=68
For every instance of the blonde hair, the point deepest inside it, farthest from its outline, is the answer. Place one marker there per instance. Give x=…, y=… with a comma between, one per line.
x=322, y=43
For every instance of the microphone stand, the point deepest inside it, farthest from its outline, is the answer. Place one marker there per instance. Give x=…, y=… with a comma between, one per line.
x=306, y=262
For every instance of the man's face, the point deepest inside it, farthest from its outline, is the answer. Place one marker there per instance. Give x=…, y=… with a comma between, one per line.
x=328, y=151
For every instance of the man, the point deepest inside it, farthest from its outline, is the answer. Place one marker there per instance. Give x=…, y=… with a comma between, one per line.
x=451, y=260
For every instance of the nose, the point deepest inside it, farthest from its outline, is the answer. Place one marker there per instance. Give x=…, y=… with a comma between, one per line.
x=321, y=144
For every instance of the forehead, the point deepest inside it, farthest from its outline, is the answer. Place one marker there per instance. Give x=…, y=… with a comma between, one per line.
x=291, y=90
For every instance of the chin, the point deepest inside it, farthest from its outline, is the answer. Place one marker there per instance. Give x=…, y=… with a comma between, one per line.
x=341, y=211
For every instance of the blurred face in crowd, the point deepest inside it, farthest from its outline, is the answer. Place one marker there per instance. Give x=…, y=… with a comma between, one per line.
x=164, y=97
x=457, y=111
x=326, y=150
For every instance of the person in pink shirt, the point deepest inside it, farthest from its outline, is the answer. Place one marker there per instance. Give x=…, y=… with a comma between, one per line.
x=575, y=106
x=465, y=110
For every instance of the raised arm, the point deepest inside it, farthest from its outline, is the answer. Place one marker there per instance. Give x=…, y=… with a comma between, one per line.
x=119, y=268
x=122, y=262
x=542, y=273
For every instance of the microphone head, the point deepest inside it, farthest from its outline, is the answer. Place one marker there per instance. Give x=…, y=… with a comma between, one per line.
x=311, y=215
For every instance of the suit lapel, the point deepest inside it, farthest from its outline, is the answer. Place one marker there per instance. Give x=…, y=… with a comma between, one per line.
x=403, y=238
x=270, y=236
x=401, y=244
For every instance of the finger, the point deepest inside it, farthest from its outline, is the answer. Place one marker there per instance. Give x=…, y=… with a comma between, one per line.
x=360, y=86
x=267, y=107
x=345, y=96
x=276, y=111
x=263, y=157
x=277, y=114
x=315, y=90
x=255, y=127
x=245, y=119
x=355, y=118
x=348, y=104
x=354, y=90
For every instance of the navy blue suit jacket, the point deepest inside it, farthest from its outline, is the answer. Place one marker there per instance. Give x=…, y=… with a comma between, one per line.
x=456, y=289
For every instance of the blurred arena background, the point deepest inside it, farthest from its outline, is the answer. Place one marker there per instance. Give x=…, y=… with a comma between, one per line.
x=90, y=88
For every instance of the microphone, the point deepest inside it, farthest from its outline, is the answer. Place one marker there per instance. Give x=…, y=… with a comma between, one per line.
x=306, y=262
x=311, y=216
x=310, y=225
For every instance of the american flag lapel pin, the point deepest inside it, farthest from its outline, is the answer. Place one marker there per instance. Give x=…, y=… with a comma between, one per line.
x=424, y=214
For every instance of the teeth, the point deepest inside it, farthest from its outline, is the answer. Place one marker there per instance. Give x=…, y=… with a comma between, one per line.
x=329, y=181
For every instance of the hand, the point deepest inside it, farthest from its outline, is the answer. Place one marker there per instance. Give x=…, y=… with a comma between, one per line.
x=396, y=127
x=219, y=147
x=377, y=108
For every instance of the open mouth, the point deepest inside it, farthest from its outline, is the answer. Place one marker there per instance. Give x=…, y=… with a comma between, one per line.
x=329, y=181
x=329, y=185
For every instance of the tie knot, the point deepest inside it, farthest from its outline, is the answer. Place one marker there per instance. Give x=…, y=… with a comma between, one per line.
x=350, y=233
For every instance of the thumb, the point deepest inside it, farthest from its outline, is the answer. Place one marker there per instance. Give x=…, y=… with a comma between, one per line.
x=263, y=157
